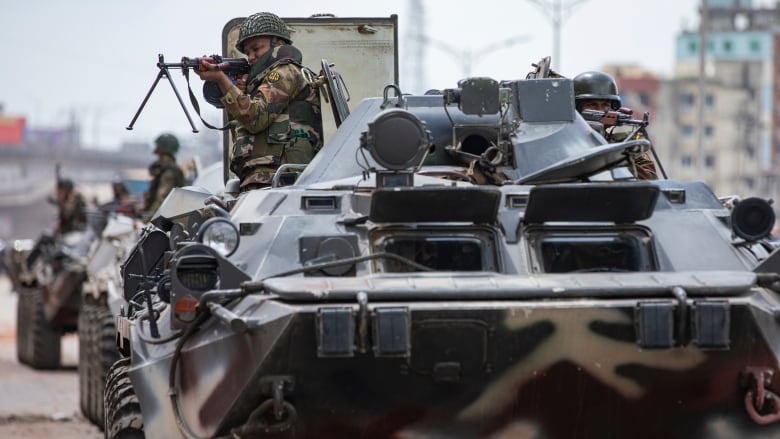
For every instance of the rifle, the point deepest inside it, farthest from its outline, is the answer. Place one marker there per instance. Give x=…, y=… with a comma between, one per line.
x=624, y=116
x=233, y=68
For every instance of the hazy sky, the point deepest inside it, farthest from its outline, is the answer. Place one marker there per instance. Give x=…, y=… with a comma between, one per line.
x=95, y=59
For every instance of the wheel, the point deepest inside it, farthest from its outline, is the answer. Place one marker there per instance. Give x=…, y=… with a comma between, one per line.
x=123, y=418
x=22, y=326
x=86, y=341
x=39, y=343
x=106, y=354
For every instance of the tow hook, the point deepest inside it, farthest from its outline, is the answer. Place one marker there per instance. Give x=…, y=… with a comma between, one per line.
x=273, y=415
x=762, y=405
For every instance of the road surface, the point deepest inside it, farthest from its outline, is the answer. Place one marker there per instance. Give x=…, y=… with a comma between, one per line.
x=37, y=404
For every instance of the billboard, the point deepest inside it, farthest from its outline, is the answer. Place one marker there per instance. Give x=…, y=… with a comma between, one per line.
x=12, y=130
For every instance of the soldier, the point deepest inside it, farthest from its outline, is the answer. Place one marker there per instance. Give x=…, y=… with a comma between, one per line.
x=122, y=202
x=278, y=110
x=598, y=91
x=165, y=173
x=71, y=207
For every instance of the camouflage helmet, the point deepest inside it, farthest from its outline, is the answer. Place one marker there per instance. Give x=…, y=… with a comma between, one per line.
x=167, y=143
x=262, y=24
x=596, y=85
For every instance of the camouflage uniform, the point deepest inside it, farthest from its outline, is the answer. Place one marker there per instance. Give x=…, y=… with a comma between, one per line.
x=280, y=120
x=166, y=175
x=642, y=166
x=72, y=212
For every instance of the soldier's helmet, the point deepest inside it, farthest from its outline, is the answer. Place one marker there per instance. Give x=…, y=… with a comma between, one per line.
x=596, y=85
x=262, y=24
x=167, y=143
x=64, y=183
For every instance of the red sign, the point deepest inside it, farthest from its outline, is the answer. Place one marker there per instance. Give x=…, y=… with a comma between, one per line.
x=11, y=130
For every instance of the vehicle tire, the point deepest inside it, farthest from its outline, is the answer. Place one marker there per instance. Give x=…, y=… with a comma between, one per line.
x=123, y=418
x=106, y=355
x=86, y=341
x=41, y=344
x=22, y=326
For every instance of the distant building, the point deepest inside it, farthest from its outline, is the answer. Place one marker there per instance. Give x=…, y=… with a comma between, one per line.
x=638, y=88
x=729, y=158
x=741, y=130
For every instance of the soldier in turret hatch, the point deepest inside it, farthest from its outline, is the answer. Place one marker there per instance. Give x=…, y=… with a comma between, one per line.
x=598, y=91
x=278, y=109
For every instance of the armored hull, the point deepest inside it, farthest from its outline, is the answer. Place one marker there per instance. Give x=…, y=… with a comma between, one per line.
x=478, y=263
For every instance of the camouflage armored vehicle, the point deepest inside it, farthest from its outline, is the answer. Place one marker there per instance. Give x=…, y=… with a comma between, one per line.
x=102, y=298
x=102, y=295
x=48, y=276
x=48, y=279
x=474, y=263
x=477, y=262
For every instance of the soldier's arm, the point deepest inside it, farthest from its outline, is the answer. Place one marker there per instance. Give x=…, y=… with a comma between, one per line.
x=256, y=112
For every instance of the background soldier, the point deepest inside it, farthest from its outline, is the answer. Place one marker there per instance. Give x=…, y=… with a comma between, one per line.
x=598, y=91
x=71, y=208
x=278, y=109
x=165, y=173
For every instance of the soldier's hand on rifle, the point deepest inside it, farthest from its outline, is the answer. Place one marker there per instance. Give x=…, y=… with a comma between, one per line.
x=241, y=82
x=208, y=70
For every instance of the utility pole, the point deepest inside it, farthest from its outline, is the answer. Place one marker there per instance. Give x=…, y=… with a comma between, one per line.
x=414, y=72
x=556, y=10
x=467, y=58
x=702, y=77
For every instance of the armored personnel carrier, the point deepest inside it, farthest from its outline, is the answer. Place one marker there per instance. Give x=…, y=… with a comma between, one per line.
x=477, y=262
x=102, y=295
x=102, y=298
x=48, y=279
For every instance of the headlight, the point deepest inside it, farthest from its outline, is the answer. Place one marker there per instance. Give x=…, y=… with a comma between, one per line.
x=219, y=234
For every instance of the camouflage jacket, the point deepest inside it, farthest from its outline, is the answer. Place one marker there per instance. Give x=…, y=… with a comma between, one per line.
x=642, y=165
x=166, y=175
x=279, y=122
x=72, y=213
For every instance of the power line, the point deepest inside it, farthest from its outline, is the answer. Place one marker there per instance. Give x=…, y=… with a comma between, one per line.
x=467, y=58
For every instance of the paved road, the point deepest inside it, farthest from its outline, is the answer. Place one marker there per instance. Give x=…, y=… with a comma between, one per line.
x=37, y=404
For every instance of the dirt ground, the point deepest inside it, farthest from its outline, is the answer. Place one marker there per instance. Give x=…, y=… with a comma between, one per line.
x=37, y=404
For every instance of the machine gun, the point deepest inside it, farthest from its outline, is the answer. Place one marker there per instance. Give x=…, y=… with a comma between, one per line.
x=233, y=67
x=623, y=116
